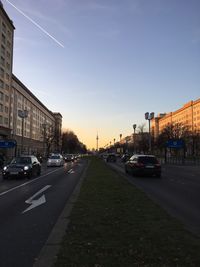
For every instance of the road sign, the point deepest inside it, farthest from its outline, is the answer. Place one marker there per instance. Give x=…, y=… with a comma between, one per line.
x=175, y=143
x=7, y=143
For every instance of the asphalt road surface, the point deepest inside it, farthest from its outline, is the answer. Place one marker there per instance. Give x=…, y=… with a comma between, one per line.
x=29, y=210
x=178, y=192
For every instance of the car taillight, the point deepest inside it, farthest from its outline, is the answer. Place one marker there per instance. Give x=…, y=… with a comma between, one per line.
x=138, y=164
x=157, y=165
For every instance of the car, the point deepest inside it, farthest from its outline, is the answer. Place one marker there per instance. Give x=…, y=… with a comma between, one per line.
x=111, y=158
x=55, y=160
x=125, y=157
x=22, y=166
x=68, y=158
x=147, y=165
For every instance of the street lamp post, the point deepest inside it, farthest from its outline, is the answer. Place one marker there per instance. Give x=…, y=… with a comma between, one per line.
x=134, y=127
x=22, y=114
x=149, y=117
x=120, y=138
x=44, y=126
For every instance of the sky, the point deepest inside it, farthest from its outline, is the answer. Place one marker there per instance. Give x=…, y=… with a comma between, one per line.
x=103, y=63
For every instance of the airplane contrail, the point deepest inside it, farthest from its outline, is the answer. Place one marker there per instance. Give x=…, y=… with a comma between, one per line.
x=36, y=24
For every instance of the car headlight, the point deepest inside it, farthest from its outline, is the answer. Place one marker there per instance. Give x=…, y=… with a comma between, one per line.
x=26, y=168
x=5, y=168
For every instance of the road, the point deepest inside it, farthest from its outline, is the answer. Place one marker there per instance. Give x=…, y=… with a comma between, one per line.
x=178, y=192
x=30, y=208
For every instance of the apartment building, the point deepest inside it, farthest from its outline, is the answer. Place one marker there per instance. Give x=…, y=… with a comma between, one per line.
x=6, y=58
x=188, y=115
x=23, y=117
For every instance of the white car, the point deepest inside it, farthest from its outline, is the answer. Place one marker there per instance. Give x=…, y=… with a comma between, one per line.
x=55, y=160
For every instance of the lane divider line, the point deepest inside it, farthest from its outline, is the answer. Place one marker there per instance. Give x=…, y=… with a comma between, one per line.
x=29, y=182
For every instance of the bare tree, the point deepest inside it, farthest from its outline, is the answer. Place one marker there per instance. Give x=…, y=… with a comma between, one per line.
x=142, y=139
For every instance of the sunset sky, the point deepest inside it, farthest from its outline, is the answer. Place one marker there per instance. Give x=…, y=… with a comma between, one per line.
x=103, y=63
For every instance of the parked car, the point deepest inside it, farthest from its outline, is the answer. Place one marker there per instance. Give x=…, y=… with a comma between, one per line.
x=143, y=165
x=23, y=166
x=55, y=160
x=111, y=158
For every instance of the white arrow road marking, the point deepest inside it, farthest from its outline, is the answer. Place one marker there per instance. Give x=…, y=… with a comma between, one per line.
x=71, y=171
x=37, y=202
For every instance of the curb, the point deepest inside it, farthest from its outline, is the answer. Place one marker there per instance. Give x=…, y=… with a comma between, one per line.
x=48, y=253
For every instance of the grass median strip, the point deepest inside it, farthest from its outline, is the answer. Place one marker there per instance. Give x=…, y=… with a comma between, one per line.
x=115, y=224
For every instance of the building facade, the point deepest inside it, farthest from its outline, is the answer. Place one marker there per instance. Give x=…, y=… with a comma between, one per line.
x=6, y=61
x=23, y=117
x=188, y=115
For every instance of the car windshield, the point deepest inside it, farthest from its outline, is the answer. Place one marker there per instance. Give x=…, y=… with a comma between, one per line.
x=55, y=157
x=146, y=160
x=21, y=160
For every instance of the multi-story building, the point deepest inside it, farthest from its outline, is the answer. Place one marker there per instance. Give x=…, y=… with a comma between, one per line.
x=188, y=115
x=6, y=60
x=23, y=117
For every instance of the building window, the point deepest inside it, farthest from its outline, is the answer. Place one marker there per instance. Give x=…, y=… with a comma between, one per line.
x=3, y=27
x=2, y=61
x=8, y=44
x=7, y=65
x=1, y=73
x=9, y=34
x=1, y=96
x=7, y=98
x=1, y=119
x=6, y=109
x=6, y=121
x=3, y=38
x=8, y=55
x=1, y=84
x=3, y=50
x=1, y=108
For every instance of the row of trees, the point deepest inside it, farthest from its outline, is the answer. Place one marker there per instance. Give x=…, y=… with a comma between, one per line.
x=174, y=131
x=70, y=142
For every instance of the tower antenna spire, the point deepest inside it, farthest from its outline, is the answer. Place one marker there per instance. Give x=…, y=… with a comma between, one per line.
x=97, y=138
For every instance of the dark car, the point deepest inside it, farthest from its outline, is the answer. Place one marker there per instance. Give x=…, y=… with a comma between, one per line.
x=69, y=158
x=23, y=166
x=125, y=157
x=111, y=158
x=147, y=165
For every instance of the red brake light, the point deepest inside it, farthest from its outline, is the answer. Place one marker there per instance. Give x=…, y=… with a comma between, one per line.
x=138, y=164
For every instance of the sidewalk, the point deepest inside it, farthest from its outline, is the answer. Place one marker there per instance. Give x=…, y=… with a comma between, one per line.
x=112, y=223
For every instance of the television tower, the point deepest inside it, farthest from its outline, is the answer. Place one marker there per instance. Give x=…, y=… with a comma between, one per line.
x=97, y=138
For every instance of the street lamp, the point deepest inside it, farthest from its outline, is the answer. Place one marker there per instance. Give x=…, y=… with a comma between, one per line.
x=22, y=114
x=44, y=126
x=134, y=127
x=120, y=138
x=149, y=117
